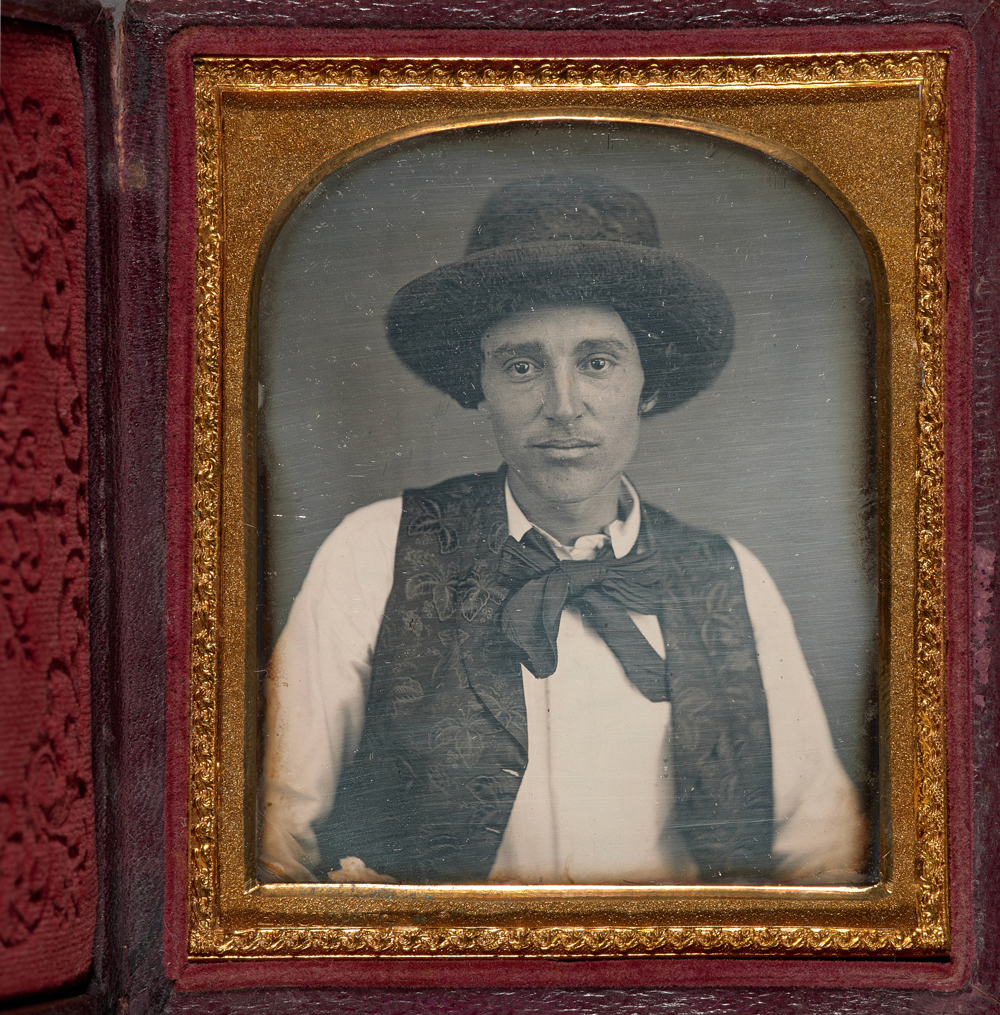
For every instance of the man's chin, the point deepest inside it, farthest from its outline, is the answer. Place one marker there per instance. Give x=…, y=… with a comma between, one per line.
x=567, y=482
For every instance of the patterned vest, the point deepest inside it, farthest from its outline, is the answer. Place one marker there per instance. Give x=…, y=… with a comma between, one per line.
x=429, y=791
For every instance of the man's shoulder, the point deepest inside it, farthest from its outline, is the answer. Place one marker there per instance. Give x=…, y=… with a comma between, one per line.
x=663, y=527
x=373, y=529
x=358, y=553
x=693, y=554
x=367, y=528
x=373, y=515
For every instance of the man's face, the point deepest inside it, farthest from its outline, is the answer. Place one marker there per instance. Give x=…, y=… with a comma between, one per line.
x=562, y=386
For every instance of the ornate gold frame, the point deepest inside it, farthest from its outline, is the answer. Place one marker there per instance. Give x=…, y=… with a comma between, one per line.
x=831, y=115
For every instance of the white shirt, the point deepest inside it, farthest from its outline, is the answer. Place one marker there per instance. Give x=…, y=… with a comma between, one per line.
x=595, y=801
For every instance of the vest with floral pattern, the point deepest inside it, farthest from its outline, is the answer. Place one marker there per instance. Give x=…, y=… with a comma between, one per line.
x=427, y=795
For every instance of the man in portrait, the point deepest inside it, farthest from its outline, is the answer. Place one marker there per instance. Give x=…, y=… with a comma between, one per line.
x=533, y=675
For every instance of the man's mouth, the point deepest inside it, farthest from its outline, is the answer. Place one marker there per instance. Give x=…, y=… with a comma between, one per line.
x=565, y=443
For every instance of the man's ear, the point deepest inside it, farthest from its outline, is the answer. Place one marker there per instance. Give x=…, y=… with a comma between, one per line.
x=646, y=405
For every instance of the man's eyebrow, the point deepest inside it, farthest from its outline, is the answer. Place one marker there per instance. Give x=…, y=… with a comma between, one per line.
x=598, y=344
x=587, y=345
x=517, y=349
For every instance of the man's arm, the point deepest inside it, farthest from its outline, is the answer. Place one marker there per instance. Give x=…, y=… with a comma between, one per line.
x=819, y=829
x=317, y=685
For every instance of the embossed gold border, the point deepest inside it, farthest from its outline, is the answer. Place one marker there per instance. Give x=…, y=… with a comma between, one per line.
x=906, y=913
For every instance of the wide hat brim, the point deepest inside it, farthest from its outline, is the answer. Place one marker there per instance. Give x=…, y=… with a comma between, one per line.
x=680, y=317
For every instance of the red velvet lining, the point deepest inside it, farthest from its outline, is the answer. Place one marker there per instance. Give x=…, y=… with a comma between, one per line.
x=48, y=874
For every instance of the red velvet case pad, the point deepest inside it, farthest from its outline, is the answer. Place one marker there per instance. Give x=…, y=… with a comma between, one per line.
x=48, y=862
x=139, y=152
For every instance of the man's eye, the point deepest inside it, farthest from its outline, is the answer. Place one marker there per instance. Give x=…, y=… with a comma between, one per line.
x=598, y=363
x=521, y=368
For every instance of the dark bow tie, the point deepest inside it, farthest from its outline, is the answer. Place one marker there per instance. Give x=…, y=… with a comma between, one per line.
x=603, y=590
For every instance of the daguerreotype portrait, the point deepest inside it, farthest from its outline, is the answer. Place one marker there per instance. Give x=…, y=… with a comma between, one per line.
x=566, y=514
x=534, y=403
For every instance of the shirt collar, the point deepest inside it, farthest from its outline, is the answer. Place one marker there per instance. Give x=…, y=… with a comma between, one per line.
x=622, y=532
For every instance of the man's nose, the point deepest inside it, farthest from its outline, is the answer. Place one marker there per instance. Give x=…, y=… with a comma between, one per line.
x=563, y=398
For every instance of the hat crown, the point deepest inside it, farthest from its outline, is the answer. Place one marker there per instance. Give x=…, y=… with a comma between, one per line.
x=560, y=209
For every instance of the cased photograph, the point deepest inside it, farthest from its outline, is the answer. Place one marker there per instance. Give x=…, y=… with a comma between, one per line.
x=567, y=555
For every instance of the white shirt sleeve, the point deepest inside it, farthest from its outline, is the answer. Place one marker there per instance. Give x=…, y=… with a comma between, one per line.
x=819, y=830
x=317, y=684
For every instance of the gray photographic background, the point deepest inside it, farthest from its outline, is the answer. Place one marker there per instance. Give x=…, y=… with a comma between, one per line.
x=778, y=454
